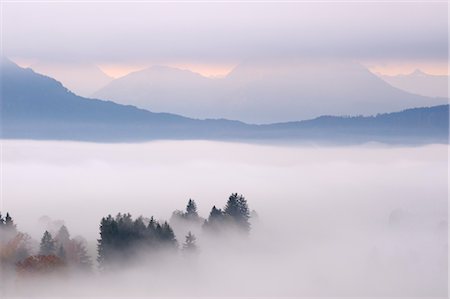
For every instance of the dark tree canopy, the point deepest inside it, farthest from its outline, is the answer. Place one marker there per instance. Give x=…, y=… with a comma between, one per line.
x=190, y=214
x=191, y=209
x=7, y=223
x=235, y=214
x=121, y=235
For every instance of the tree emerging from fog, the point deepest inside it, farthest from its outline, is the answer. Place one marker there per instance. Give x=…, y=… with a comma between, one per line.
x=190, y=246
x=47, y=246
x=121, y=237
x=235, y=216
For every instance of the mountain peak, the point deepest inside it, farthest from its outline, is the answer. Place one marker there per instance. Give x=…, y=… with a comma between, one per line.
x=418, y=72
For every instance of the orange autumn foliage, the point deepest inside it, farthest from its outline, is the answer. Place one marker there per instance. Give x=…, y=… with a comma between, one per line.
x=40, y=264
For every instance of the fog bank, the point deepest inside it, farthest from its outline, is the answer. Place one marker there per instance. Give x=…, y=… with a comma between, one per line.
x=333, y=221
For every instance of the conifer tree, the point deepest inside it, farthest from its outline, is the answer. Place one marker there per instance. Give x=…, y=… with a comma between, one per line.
x=189, y=245
x=2, y=221
x=237, y=209
x=63, y=236
x=191, y=209
x=47, y=246
x=9, y=223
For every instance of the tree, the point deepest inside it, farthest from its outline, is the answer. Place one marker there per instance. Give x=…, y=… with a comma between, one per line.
x=8, y=223
x=215, y=220
x=121, y=236
x=47, y=246
x=77, y=255
x=167, y=236
x=237, y=209
x=2, y=221
x=40, y=264
x=14, y=250
x=63, y=236
x=189, y=245
x=191, y=209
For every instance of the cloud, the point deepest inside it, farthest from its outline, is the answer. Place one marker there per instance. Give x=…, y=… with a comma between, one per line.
x=224, y=32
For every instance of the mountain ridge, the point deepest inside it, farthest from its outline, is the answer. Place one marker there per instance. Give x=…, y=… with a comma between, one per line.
x=38, y=107
x=257, y=92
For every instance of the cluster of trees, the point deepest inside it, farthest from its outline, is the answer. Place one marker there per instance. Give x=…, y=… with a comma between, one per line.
x=71, y=251
x=7, y=223
x=235, y=215
x=121, y=236
x=14, y=245
x=61, y=252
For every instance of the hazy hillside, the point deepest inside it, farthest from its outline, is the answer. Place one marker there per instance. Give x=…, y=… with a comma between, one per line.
x=38, y=107
x=420, y=83
x=81, y=78
x=258, y=92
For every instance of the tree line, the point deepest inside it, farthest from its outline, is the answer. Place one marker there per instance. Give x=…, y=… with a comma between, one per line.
x=121, y=238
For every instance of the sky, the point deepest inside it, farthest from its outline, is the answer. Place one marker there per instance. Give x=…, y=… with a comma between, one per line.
x=212, y=38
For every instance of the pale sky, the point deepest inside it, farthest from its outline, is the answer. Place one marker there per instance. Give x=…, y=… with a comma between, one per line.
x=211, y=38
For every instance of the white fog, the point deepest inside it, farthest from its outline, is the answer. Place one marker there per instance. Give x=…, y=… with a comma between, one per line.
x=333, y=221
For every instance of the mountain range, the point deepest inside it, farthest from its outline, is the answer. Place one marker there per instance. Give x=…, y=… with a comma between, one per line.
x=420, y=83
x=264, y=92
x=35, y=106
x=82, y=78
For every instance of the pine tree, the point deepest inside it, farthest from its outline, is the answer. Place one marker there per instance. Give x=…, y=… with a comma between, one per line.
x=108, y=234
x=2, y=221
x=191, y=209
x=9, y=223
x=168, y=236
x=47, y=246
x=215, y=214
x=237, y=209
x=215, y=219
x=63, y=236
x=189, y=245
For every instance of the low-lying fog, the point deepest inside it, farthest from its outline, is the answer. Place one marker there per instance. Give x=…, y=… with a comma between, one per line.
x=344, y=221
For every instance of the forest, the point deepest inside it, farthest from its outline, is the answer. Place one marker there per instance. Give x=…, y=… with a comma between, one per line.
x=122, y=239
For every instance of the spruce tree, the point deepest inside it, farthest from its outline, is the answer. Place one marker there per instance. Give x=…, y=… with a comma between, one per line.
x=47, y=246
x=63, y=236
x=9, y=223
x=189, y=245
x=191, y=209
x=237, y=210
x=2, y=221
x=167, y=235
x=215, y=219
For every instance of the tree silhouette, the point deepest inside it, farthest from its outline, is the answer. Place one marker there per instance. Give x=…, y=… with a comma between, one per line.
x=236, y=215
x=63, y=236
x=191, y=209
x=7, y=223
x=189, y=245
x=47, y=246
x=121, y=236
x=215, y=220
x=237, y=209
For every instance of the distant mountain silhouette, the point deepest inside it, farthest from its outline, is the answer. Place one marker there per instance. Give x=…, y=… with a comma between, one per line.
x=38, y=107
x=81, y=78
x=264, y=92
x=420, y=83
